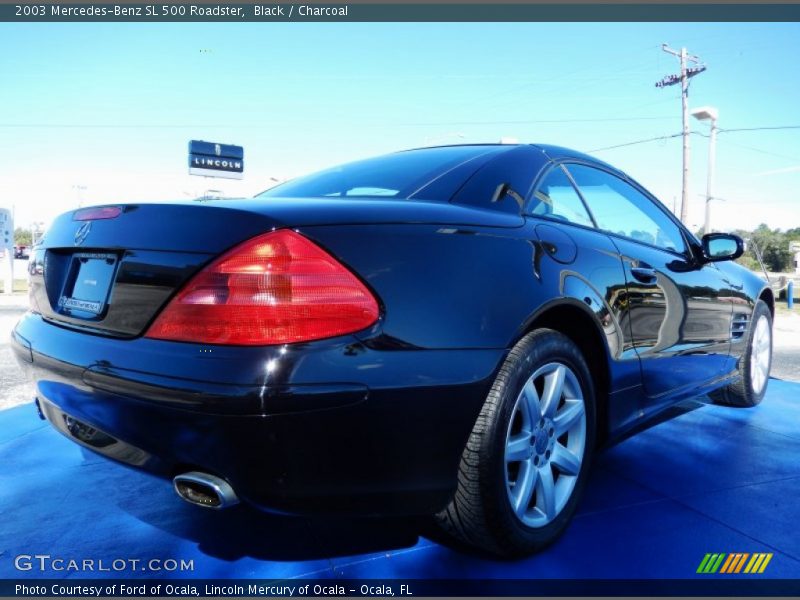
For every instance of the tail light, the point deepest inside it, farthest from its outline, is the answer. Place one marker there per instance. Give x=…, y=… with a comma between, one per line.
x=273, y=289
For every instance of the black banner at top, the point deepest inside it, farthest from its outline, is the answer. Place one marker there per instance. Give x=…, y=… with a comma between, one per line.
x=369, y=12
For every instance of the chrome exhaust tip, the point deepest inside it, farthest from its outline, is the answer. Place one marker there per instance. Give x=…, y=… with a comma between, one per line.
x=202, y=489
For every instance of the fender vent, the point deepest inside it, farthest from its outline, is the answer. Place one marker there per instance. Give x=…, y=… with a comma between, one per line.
x=738, y=326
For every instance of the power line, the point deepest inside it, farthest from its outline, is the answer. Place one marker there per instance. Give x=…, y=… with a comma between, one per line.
x=635, y=142
x=538, y=121
x=772, y=128
x=115, y=126
x=762, y=151
x=700, y=133
x=418, y=124
x=753, y=148
x=551, y=84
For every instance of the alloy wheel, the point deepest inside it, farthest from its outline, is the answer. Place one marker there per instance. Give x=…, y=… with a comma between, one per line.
x=760, y=354
x=545, y=444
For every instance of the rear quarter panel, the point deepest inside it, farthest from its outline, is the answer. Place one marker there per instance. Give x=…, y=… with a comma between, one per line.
x=441, y=286
x=456, y=287
x=444, y=287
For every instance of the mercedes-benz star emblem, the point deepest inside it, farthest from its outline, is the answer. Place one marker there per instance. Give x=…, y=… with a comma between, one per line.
x=82, y=233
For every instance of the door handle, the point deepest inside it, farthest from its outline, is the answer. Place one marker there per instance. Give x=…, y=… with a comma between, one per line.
x=644, y=274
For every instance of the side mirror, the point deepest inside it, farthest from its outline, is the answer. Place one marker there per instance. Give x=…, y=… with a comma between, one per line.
x=722, y=246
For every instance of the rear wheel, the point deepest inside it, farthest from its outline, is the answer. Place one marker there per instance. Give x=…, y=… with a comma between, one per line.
x=754, y=364
x=527, y=458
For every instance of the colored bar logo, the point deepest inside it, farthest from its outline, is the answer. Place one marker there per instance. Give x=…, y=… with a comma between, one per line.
x=736, y=562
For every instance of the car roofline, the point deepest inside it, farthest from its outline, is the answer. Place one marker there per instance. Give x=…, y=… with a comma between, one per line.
x=553, y=152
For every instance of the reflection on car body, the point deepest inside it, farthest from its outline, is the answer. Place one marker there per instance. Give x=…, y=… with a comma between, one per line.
x=377, y=338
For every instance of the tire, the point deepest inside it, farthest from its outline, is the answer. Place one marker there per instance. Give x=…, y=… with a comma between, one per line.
x=510, y=452
x=754, y=365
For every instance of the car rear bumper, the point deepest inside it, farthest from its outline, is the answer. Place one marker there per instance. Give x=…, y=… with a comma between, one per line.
x=334, y=426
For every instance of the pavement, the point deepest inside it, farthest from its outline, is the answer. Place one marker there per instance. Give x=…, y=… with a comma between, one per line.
x=786, y=344
x=713, y=480
x=14, y=388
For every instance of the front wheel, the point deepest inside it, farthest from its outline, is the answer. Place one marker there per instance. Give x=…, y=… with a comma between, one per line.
x=526, y=461
x=754, y=364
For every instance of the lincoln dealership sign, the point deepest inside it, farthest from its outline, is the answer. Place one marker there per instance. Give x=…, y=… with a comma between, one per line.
x=216, y=160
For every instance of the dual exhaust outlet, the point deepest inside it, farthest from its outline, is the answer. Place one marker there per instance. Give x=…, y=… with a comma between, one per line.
x=203, y=489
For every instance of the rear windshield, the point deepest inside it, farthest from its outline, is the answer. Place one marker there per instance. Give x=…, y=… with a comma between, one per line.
x=401, y=175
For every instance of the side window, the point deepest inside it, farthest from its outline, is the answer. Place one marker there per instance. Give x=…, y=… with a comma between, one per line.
x=620, y=208
x=555, y=197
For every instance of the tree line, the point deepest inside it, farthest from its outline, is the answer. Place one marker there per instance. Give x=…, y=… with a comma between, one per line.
x=774, y=247
x=22, y=237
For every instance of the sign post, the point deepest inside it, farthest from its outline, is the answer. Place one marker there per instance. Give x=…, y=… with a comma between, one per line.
x=7, y=241
x=216, y=160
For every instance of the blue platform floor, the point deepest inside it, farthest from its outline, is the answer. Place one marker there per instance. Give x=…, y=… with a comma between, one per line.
x=713, y=480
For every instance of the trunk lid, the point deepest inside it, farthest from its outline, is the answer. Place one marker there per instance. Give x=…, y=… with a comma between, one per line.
x=112, y=276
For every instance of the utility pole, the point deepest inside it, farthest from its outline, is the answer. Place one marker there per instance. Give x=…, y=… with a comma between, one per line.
x=683, y=78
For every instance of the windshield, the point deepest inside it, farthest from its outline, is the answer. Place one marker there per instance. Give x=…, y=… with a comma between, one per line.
x=400, y=175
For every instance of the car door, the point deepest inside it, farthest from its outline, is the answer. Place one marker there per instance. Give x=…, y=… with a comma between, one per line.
x=586, y=267
x=677, y=309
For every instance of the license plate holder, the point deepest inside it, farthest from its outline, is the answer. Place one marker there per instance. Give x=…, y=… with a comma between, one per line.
x=88, y=284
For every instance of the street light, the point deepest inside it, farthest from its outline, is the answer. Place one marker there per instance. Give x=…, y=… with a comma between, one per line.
x=709, y=113
x=79, y=189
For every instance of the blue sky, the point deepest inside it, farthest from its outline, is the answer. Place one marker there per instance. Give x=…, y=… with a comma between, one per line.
x=111, y=107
